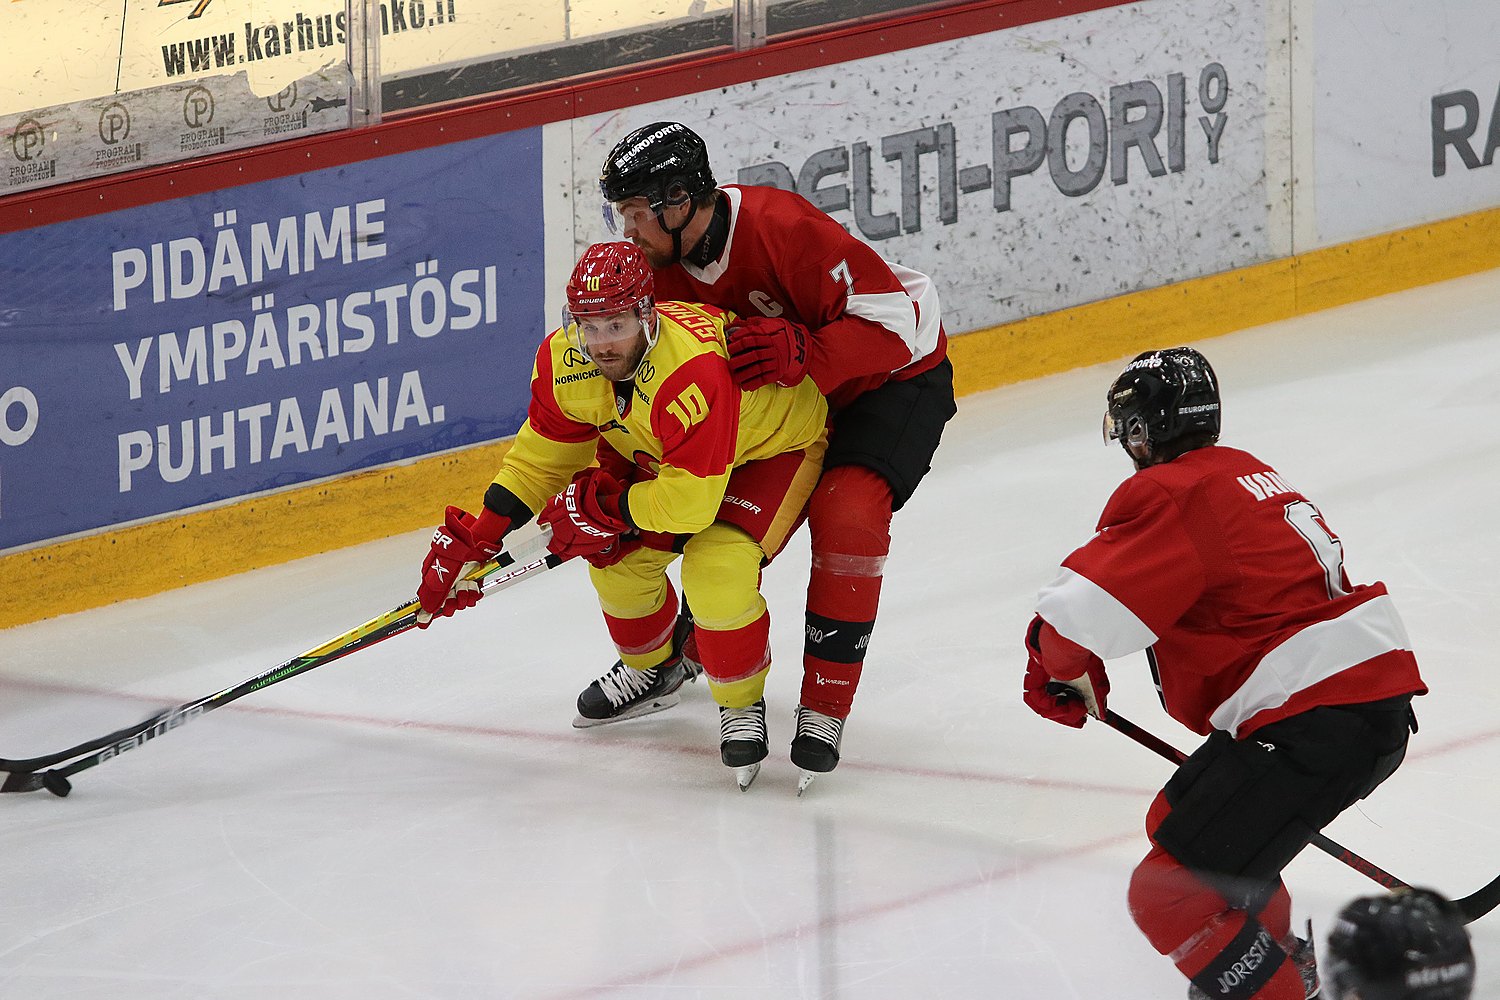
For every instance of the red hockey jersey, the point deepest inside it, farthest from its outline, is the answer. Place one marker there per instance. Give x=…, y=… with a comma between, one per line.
x=1235, y=584
x=871, y=320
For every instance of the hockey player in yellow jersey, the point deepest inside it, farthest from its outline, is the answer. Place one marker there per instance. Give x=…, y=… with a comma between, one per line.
x=693, y=465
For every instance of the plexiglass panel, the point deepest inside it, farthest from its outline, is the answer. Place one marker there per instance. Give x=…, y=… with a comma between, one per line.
x=508, y=44
x=95, y=88
x=785, y=16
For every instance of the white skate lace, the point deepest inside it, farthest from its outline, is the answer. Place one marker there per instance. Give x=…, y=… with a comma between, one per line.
x=819, y=726
x=623, y=683
x=742, y=723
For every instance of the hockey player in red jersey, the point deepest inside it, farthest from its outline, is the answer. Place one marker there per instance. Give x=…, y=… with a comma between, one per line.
x=813, y=301
x=694, y=465
x=1234, y=584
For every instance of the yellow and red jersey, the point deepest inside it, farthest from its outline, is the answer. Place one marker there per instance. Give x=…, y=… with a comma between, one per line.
x=681, y=418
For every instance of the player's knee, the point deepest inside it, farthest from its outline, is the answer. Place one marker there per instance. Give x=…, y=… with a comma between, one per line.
x=635, y=586
x=849, y=517
x=1168, y=903
x=1145, y=904
x=628, y=597
x=853, y=487
x=721, y=578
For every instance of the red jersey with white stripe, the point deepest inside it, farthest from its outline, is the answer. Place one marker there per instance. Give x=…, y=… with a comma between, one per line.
x=1236, y=584
x=871, y=320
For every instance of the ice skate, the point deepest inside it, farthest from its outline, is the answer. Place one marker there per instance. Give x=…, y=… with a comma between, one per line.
x=743, y=742
x=1306, y=959
x=626, y=693
x=815, y=748
x=1303, y=956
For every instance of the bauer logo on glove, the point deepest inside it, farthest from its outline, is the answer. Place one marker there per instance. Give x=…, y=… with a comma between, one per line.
x=587, y=516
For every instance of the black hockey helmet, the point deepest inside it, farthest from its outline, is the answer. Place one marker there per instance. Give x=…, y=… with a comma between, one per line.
x=1408, y=945
x=1163, y=403
x=664, y=162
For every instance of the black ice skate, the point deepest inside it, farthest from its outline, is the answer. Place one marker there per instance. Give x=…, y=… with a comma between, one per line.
x=743, y=742
x=626, y=693
x=815, y=748
x=1303, y=956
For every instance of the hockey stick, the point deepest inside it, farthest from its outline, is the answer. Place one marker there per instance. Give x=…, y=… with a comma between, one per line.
x=1473, y=906
x=26, y=775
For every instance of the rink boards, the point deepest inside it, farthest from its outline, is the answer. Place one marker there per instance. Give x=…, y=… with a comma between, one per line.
x=328, y=353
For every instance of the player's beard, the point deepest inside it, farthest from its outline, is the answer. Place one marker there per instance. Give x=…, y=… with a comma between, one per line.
x=619, y=367
x=655, y=256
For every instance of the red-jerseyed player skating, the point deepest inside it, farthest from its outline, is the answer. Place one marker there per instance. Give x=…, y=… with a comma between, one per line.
x=813, y=302
x=1234, y=584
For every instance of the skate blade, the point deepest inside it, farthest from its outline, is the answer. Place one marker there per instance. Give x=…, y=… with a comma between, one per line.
x=805, y=781
x=659, y=704
x=745, y=776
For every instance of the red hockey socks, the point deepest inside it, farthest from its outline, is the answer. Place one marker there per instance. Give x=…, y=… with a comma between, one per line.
x=850, y=520
x=645, y=642
x=736, y=662
x=1238, y=959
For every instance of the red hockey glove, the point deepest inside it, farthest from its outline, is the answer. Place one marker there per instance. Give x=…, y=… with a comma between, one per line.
x=462, y=543
x=763, y=349
x=585, y=518
x=1069, y=702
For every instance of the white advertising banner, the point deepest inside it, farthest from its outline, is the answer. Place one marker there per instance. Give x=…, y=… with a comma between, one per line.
x=1025, y=170
x=1407, y=114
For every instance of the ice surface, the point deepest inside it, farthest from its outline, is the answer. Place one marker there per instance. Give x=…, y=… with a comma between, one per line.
x=421, y=821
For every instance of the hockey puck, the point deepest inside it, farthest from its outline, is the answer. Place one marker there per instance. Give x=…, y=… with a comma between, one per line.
x=56, y=784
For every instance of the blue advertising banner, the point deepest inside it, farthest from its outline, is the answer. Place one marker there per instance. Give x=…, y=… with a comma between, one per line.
x=213, y=347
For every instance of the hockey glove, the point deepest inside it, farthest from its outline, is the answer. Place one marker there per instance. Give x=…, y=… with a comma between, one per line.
x=462, y=543
x=1069, y=701
x=586, y=519
x=763, y=349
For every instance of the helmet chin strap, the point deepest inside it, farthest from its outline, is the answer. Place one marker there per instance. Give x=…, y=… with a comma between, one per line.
x=677, y=233
x=650, y=337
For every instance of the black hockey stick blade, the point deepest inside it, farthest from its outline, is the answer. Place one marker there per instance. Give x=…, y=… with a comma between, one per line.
x=1473, y=906
x=31, y=781
x=1477, y=904
x=27, y=765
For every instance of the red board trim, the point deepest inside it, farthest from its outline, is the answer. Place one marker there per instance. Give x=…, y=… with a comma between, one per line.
x=420, y=130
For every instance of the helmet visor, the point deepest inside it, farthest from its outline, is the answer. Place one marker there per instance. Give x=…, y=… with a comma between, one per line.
x=1112, y=428
x=630, y=214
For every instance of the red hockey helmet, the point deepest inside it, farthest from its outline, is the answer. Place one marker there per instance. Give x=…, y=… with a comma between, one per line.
x=611, y=278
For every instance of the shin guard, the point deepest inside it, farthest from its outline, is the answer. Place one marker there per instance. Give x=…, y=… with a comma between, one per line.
x=850, y=522
x=1225, y=952
x=736, y=661
x=645, y=642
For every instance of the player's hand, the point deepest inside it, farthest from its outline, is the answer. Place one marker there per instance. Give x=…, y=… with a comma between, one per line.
x=765, y=349
x=457, y=547
x=1069, y=702
x=586, y=519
